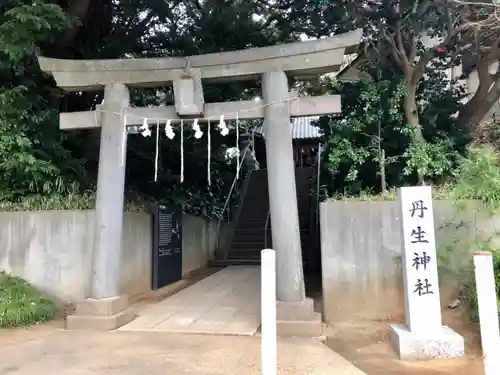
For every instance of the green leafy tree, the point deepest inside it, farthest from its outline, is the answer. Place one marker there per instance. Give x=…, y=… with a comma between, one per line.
x=33, y=159
x=370, y=146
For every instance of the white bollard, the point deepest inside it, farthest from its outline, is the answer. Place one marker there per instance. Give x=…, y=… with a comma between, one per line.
x=488, y=311
x=268, y=350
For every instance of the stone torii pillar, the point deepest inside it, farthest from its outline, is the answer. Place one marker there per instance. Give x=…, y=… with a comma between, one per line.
x=271, y=64
x=295, y=313
x=106, y=308
x=282, y=189
x=106, y=261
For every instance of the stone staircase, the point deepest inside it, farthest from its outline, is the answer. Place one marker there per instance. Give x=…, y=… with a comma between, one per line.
x=251, y=235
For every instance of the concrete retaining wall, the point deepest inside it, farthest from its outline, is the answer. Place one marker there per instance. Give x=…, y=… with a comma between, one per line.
x=361, y=248
x=53, y=249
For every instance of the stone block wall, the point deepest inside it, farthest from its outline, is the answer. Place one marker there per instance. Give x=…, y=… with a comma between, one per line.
x=361, y=248
x=53, y=249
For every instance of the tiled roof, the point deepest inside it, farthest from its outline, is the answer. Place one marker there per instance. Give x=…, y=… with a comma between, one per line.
x=301, y=128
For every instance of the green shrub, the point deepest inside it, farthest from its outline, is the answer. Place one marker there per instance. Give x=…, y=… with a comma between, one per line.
x=438, y=192
x=70, y=201
x=478, y=179
x=21, y=304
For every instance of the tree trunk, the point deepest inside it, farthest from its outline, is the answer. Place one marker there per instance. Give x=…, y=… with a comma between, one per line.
x=476, y=109
x=410, y=105
x=412, y=118
x=471, y=121
x=77, y=9
x=383, y=180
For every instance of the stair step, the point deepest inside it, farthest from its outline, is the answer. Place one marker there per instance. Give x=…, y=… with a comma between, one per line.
x=261, y=239
x=262, y=230
x=252, y=225
x=257, y=238
x=245, y=245
x=244, y=252
x=248, y=231
x=254, y=231
x=250, y=246
x=255, y=255
x=254, y=214
x=257, y=204
x=234, y=262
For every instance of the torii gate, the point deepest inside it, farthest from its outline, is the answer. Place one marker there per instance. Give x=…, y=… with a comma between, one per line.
x=105, y=309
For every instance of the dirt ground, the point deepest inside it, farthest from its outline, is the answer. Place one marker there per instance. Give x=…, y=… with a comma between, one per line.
x=368, y=346
x=365, y=344
x=138, y=353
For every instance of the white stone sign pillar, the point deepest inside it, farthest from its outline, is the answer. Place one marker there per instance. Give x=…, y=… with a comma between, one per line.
x=423, y=336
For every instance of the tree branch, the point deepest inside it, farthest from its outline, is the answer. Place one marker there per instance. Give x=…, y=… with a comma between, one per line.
x=449, y=21
x=421, y=65
x=394, y=49
x=400, y=44
x=424, y=8
x=77, y=9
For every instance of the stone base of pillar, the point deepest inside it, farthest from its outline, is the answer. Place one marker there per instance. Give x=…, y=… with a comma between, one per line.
x=298, y=319
x=103, y=314
x=435, y=344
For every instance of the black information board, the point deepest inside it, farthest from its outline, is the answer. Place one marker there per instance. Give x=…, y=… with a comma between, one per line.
x=167, y=245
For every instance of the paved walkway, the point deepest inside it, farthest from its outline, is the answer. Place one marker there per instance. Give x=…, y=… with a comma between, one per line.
x=155, y=353
x=227, y=303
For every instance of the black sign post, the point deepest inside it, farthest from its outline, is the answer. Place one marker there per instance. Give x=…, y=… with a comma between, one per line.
x=167, y=245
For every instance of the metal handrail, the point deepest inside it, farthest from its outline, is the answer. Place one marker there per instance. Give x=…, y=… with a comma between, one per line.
x=316, y=233
x=318, y=172
x=236, y=178
x=228, y=198
x=265, y=227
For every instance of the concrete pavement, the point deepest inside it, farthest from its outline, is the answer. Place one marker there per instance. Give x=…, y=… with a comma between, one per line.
x=227, y=303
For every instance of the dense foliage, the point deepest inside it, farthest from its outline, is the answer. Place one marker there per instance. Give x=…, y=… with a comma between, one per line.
x=374, y=144
x=41, y=164
x=34, y=158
